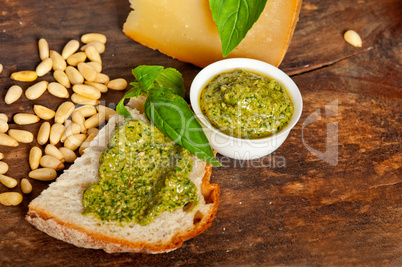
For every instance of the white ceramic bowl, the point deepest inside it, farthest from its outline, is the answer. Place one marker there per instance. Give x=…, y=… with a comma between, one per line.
x=237, y=148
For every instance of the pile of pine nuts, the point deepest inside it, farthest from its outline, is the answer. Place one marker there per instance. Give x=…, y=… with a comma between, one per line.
x=76, y=121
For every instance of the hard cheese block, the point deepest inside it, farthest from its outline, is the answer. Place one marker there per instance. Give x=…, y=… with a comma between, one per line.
x=185, y=30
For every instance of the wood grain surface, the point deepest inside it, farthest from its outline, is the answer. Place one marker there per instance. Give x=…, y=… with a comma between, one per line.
x=329, y=196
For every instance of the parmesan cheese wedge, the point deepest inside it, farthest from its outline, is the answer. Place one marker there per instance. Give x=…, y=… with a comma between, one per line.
x=185, y=30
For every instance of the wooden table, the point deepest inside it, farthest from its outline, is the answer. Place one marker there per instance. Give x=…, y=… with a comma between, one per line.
x=329, y=196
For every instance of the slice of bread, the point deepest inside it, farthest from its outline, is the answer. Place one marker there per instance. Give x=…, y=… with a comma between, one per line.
x=58, y=209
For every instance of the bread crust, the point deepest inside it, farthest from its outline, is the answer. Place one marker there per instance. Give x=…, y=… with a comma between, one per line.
x=80, y=237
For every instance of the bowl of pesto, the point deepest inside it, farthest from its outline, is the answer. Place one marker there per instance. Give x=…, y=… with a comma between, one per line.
x=246, y=107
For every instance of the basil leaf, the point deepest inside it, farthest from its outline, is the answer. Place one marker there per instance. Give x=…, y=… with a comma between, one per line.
x=133, y=92
x=149, y=78
x=171, y=114
x=234, y=18
x=171, y=79
x=146, y=75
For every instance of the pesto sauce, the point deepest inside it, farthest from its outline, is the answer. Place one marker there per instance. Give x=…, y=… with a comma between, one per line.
x=246, y=105
x=141, y=174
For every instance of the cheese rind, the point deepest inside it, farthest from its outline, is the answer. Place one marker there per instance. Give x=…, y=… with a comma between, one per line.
x=185, y=30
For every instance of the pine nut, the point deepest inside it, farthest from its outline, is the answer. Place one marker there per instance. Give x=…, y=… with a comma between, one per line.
x=1, y=68
x=43, y=174
x=35, y=91
x=43, y=112
x=61, y=77
x=95, y=120
x=58, y=61
x=87, y=71
x=43, y=133
x=76, y=58
x=21, y=136
x=93, y=54
x=93, y=131
x=74, y=75
x=83, y=100
x=117, y=84
x=100, y=86
x=48, y=161
x=79, y=119
x=100, y=47
x=64, y=111
x=70, y=48
x=353, y=38
x=96, y=65
x=92, y=37
x=53, y=151
x=1, y=156
x=3, y=167
x=13, y=94
x=72, y=129
x=8, y=181
x=3, y=126
x=26, y=186
x=86, y=143
x=86, y=110
x=107, y=111
x=6, y=140
x=43, y=49
x=87, y=91
x=24, y=76
x=56, y=131
x=74, y=141
x=34, y=157
x=3, y=117
x=10, y=198
x=67, y=123
x=44, y=67
x=101, y=78
x=68, y=154
x=58, y=90
x=25, y=118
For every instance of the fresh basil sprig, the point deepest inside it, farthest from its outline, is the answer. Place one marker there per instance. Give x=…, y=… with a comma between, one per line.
x=234, y=18
x=151, y=77
x=166, y=108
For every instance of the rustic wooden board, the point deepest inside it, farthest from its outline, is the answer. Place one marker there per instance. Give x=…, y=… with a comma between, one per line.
x=290, y=208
